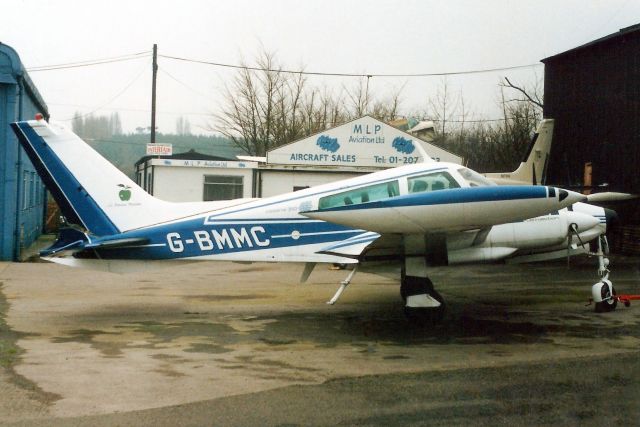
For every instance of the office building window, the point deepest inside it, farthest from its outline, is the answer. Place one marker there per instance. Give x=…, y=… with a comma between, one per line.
x=220, y=187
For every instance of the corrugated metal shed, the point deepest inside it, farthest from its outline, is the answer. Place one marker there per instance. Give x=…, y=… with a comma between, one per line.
x=22, y=195
x=593, y=93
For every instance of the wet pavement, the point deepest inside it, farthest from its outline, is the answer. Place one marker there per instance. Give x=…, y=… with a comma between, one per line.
x=201, y=343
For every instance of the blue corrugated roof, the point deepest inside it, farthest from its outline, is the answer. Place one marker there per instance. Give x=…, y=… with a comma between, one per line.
x=15, y=69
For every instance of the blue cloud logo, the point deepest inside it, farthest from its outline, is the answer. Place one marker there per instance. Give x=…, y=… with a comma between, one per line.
x=403, y=145
x=327, y=143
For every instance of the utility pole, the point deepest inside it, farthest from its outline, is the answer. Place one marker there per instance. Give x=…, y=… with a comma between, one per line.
x=153, y=94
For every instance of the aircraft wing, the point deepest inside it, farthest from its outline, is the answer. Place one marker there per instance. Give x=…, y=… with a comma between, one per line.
x=369, y=245
x=352, y=247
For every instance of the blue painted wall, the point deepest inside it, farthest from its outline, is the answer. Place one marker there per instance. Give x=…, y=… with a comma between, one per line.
x=22, y=195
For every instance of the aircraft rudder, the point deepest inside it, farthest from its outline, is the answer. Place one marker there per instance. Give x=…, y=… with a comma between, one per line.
x=90, y=190
x=534, y=166
x=74, y=202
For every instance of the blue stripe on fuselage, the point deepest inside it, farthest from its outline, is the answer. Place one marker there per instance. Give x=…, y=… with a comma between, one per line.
x=452, y=196
x=192, y=238
x=69, y=194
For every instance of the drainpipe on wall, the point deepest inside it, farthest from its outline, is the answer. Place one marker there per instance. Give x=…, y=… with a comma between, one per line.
x=17, y=234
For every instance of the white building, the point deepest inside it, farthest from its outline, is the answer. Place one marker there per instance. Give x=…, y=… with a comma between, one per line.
x=361, y=146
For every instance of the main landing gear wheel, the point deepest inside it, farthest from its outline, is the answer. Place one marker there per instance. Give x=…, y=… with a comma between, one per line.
x=604, y=296
x=423, y=304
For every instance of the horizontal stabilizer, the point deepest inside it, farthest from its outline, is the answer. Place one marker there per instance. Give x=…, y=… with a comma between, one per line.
x=117, y=243
x=69, y=240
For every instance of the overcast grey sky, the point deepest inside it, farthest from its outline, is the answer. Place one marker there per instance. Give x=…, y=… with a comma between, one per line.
x=368, y=37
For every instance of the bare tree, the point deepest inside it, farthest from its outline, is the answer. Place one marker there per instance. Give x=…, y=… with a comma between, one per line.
x=322, y=110
x=97, y=127
x=533, y=94
x=266, y=107
x=183, y=126
x=485, y=146
x=247, y=117
x=442, y=108
x=359, y=98
x=387, y=109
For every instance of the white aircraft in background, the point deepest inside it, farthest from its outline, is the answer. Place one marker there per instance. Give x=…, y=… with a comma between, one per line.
x=532, y=171
x=533, y=168
x=421, y=215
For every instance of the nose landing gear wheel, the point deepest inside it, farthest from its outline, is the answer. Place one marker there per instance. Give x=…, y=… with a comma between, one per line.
x=604, y=296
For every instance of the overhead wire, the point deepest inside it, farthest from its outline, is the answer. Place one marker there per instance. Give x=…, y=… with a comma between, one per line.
x=144, y=54
x=88, y=63
x=134, y=110
x=115, y=97
x=196, y=92
x=335, y=74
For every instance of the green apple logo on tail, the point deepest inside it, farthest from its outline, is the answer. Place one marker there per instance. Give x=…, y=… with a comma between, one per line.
x=125, y=193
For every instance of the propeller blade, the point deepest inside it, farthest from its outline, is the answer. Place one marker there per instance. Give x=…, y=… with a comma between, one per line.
x=610, y=196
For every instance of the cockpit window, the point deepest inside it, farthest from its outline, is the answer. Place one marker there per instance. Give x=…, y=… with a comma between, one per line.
x=431, y=182
x=475, y=179
x=356, y=196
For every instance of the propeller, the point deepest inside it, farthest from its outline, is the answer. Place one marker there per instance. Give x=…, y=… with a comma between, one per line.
x=610, y=196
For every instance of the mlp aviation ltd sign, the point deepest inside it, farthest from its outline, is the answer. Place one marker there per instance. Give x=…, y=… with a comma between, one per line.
x=364, y=142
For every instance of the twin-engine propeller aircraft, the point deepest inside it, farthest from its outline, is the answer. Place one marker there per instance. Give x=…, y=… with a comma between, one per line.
x=421, y=215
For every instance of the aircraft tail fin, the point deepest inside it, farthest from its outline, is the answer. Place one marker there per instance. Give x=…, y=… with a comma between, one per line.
x=90, y=191
x=533, y=168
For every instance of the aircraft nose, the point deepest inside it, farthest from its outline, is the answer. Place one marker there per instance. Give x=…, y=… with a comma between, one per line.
x=568, y=198
x=611, y=217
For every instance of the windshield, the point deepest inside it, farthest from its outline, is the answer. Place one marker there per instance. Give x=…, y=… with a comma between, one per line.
x=474, y=178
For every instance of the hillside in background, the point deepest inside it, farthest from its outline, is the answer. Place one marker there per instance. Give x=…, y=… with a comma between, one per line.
x=104, y=134
x=125, y=150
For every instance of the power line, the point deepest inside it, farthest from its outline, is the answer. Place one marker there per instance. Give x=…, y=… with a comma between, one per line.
x=334, y=74
x=216, y=141
x=134, y=110
x=112, y=99
x=88, y=63
x=184, y=84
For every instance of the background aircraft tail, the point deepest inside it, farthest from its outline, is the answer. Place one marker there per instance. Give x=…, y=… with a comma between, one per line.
x=90, y=191
x=533, y=168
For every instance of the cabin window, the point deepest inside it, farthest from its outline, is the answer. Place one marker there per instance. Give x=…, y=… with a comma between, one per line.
x=222, y=187
x=431, y=182
x=360, y=195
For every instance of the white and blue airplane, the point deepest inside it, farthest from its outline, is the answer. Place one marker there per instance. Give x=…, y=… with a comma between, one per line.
x=415, y=216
